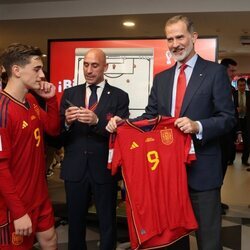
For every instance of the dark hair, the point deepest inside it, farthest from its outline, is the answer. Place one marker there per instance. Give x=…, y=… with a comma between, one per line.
x=186, y=20
x=19, y=54
x=248, y=81
x=4, y=79
x=228, y=61
x=241, y=80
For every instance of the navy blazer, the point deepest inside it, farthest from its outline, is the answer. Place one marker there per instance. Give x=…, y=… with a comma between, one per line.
x=236, y=104
x=86, y=147
x=207, y=99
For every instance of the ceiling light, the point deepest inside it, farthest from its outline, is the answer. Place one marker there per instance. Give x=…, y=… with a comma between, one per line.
x=128, y=24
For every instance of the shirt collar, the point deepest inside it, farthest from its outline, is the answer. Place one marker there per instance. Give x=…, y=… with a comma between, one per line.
x=190, y=63
x=100, y=85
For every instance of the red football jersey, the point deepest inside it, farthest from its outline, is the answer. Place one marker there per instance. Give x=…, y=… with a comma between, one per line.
x=153, y=155
x=22, y=161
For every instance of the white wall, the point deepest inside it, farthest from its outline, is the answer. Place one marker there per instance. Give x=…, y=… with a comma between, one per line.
x=243, y=64
x=80, y=8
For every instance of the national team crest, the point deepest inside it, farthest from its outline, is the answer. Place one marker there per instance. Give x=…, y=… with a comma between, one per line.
x=167, y=136
x=17, y=239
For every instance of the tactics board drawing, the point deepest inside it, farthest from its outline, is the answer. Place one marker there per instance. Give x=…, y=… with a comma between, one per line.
x=130, y=69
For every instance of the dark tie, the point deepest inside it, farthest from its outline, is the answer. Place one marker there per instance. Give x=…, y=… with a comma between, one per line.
x=180, y=90
x=93, y=97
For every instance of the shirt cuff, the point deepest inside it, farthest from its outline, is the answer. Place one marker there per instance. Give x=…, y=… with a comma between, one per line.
x=67, y=127
x=199, y=134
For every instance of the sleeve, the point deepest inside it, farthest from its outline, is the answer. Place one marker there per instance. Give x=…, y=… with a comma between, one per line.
x=4, y=144
x=114, y=159
x=222, y=119
x=49, y=117
x=8, y=190
x=189, y=150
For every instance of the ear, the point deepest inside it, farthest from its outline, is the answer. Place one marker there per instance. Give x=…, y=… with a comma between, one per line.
x=16, y=70
x=106, y=67
x=194, y=37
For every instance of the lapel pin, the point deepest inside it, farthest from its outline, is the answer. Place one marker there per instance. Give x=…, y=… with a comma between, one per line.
x=200, y=74
x=108, y=92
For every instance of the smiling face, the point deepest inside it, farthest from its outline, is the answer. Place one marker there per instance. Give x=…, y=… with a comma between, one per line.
x=241, y=85
x=180, y=41
x=94, y=66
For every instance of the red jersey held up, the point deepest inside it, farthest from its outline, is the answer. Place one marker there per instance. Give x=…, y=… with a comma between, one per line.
x=153, y=155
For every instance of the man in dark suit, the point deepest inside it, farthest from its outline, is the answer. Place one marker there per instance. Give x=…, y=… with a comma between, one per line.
x=242, y=104
x=228, y=147
x=207, y=113
x=84, y=168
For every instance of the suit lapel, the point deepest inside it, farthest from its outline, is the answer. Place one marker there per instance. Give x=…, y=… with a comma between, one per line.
x=197, y=77
x=105, y=97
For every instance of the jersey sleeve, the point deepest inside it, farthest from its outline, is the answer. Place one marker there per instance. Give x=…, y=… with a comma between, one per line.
x=114, y=159
x=189, y=150
x=4, y=144
x=50, y=118
x=8, y=192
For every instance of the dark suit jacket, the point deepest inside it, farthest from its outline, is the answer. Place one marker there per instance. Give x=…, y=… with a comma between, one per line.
x=86, y=147
x=236, y=103
x=208, y=99
x=243, y=125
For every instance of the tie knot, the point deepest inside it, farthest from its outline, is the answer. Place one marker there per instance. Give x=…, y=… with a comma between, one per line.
x=93, y=88
x=183, y=67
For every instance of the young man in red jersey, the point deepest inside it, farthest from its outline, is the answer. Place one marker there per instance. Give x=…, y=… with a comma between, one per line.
x=25, y=209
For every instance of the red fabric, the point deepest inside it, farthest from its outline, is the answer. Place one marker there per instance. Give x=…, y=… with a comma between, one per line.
x=153, y=163
x=42, y=218
x=180, y=90
x=22, y=162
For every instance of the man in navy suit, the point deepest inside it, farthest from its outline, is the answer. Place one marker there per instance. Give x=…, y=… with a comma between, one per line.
x=242, y=104
x=84, y=168
x=207, y=112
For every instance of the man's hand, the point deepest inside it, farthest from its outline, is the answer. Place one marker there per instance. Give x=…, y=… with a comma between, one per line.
x=239, y=138
x=47, y=90
x=71, y=115
x=112, y=124
x=23, y=226
x=187, y=126
x=87, y=116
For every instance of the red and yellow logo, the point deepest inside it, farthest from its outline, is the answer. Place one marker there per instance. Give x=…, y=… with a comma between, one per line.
x=17, y=239
x=167, y=136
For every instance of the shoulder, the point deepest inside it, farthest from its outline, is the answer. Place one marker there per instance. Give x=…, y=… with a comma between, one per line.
x=115, y=90
x=165, y=73
x=209, y=65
